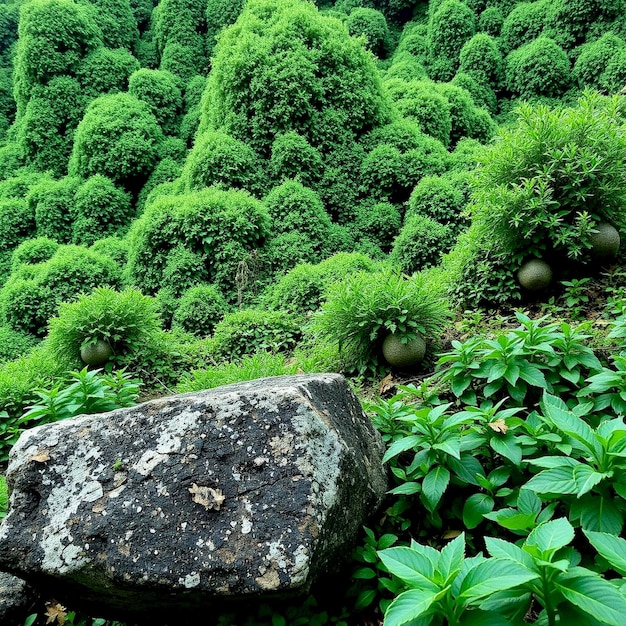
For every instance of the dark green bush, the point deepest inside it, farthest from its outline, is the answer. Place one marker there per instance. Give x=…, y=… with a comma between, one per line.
x=7, y=103
x=613, y=79
x=284, y=67
x=421, y=243
x=251, y=330
x=219, y=14
x=490, y=21
x=416, y=44
x=113, y=247
x=523, y=24
x=26, y=304
x=100, y=210
x=14, y=345
x=199, y=310
x=293, y=157
x=11, y=159
x=451, y=26
x=9, y=19
x=184, y=60
x=17, y=222
x=52, y=203
x=372, y=25
x=159, y=90
x=167, y=171
x=118, y=138
x=406, y=68
x=482, y=95
x=219, y=160
x=47, y=127
x=303, y=289
x=594, y=58
x=117, y=23
x=54, y=37
x=183, y=269
x=380, y=223
x=481, y=58
x=204, y=222
x=441, y=198
x=126, y=320
x=383, y=173
x=288, y=249
x=193, y=91
x=33, y=251
x=539, y=68
x=106, y=71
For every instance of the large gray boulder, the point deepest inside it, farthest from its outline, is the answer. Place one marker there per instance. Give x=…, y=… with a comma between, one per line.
x=171, y=506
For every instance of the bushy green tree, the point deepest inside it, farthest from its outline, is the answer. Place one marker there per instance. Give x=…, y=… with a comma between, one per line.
x=613, y=79
x=100, y=210
x=184, y=60
x=451, y=26
x=594, y=58
x=490, y=21
x=222, y=226
x=379, y=223
x=33, y=251
x=54, y=37
x=293, y=156
x=184, y=268
x=441, y=198
x=217, y=159
x=166, y=171
x=7, y=103
x=538, y=68
x=47, y=127
x=481, y=58
x=9, y=19
x=117, y=23
x=372, y=25
x=282, y=66
x=199, y=310
x=406, y=68
x=482, y=95
x=52, y=204
x=219, y=14
x=118, y=138
x=106, y=71
x=17, y=223
x=416, y=44
x=523, y=24
x=159, y=90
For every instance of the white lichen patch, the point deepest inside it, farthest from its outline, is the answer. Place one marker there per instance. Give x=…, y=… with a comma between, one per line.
x=190, y=580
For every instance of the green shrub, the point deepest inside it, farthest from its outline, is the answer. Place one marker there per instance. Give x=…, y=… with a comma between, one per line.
x=14, y=344
x=372, y=25
x=118, y=138
x=126, y=320
x=594, y=58
x=167, y=171
x=17, y=222
x=183, y=269
x=199, y=310
x=33, y=251
x=404, y=135
x=282, y=66
x=439, y=198
x=406, y=68
x=20, y=182
x=113, y=247
x=490, y=21
x=206, y=222
x=100, y=210
x=416, y=44
x=451, y=26
x=303, y=289
x=613, y=79
x=184, y=60
x=482, y=95
x=11, y=160
x=178, y=22
x=523, y=24
x=481, y=59
x=362, y=309
x=26, y=304
x=117, y=23
x=260, y=365
x=159, y=90
x=250, y=331
x=293, y=157
x=421, y=243
x=380, y=223
x=219, y=14
x=106, y=71
x=7, y=103
x=539, y=68
x=47, y=127
x=219, y=160
x=286, y=250
x=193, y=92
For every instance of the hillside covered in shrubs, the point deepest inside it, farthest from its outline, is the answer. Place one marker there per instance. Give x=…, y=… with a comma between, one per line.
x=209, y=191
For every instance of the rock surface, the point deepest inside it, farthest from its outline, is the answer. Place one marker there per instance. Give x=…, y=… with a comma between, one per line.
x=17, y=599
x=245, y=490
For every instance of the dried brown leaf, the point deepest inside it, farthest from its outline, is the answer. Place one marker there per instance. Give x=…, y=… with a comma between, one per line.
x=499, y=426
x=208, y=497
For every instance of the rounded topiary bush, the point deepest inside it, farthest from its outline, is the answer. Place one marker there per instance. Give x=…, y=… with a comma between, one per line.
x=14, y=344
x=199, y=310
x=287, y=250
x=429, y=109
x=127, y=321
x=53, y=205
x=539, y=68
x=372, y=25
x=439, y=198
x=482, y=95
x=523, y=24
x=184, y=269
x=613, y=78
x=33, y=251
x=219, y=160
x=293, y=156
x=490, y=21
x=594, y=58
x=481, y=58
x=253, y=330
x=119, y=138
x=380, y=223
x=17, y=222
x=100, y=210
x=106, y=71
x=116, y=248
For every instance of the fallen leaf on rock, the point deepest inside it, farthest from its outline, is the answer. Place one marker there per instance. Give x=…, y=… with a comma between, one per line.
x=208, y=497
x=41, y=457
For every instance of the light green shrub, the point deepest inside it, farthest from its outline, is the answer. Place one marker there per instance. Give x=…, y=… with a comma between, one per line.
x=32, y=251
x=372, y=25
x=14, y=344
x=199, y=310
x=594, y=58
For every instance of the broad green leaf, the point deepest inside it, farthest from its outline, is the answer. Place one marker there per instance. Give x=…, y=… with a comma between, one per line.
x=559, y=480
x=528, y=501
x=513, y=519
x=552, y=462
x=434, y=486
x=595, y=596
x=575, y=427
x=586, y=479
x=501, y=549
x=408, y=564
x=365, y=598
x=409, y=606
x=551, y=536
x=401, y=445
x=452, y=557
x=533, y=376
x=451, y=446
x=612, y=548
x=508, y=447
x=406, y=489
x=477, y=617
x=467, y=468
x=490, y=576
x=475, y=507
x=600, y=514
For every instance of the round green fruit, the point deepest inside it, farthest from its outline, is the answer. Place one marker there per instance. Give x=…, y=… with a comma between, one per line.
x=605, y=241
x=534, y=275
x=399, y=354
x=97, y=353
